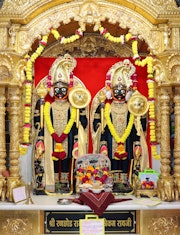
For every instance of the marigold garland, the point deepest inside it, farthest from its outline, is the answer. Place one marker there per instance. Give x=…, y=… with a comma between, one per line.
x=152, y=115
x=127, y=132
x=28, y=89
x=78, y=34
x=47, y=119
x=59, y=152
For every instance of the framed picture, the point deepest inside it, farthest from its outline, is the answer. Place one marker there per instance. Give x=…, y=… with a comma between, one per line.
x=148, y=179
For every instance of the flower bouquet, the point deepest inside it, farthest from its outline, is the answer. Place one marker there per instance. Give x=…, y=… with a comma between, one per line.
x=93, y=176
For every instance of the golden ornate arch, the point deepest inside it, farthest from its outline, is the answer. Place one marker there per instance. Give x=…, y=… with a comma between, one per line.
x=154, y=21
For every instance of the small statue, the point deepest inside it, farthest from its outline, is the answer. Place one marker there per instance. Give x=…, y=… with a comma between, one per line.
x=12, y=33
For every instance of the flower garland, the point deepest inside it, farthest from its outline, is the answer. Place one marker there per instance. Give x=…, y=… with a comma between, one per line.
x=59, y=152
x=151, y=98
x=78, y=34
x=47, y=119
x=120, y=153
x=121, y=39
x=152, y=123
x=28, y=89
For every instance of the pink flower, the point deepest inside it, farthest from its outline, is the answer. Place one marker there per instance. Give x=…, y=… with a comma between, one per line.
x=84, y=179
x=81, y=170
x=95, y=171
x=97, y=178
x=105, y=168
x=103, y=178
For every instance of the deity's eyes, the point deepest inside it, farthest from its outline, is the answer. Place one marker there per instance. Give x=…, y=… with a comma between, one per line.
x=119, y=91
x=116, y=91
x=62, y=90
x=56, y=89
x=123, y=91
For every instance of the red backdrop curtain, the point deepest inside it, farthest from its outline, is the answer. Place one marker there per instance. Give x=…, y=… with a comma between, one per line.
x=92, y=72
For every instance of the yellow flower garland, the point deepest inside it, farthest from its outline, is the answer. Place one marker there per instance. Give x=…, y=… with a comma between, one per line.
x=63, y=40
x=127, y=132
x=28, y=89
x=47, y=119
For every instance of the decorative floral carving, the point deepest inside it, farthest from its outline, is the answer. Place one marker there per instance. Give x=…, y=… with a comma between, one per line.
x=16, y=7
x=173, y=67
x=6, y=66
x=164, y=225
x=63, y=14
x=3, y=41
x=17, y=226
x=89, y=14
x=159, y=76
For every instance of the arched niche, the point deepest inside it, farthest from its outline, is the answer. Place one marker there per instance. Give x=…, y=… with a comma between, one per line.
x=68, y=17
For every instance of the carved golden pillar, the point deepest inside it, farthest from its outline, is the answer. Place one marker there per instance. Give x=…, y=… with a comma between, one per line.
x=14, y=116
x=2, y=131
x=14, y=111
x=176, y=168
x=165, y=184
x=165, y=132
x=177, y=133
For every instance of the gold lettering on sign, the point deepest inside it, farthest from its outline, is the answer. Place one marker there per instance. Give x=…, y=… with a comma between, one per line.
x=52, y=222
x=64, y=223
x=124, y=223
x=76, y=223
x=110, y=223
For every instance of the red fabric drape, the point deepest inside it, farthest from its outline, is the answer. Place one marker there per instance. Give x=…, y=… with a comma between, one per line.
x=92, y=72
